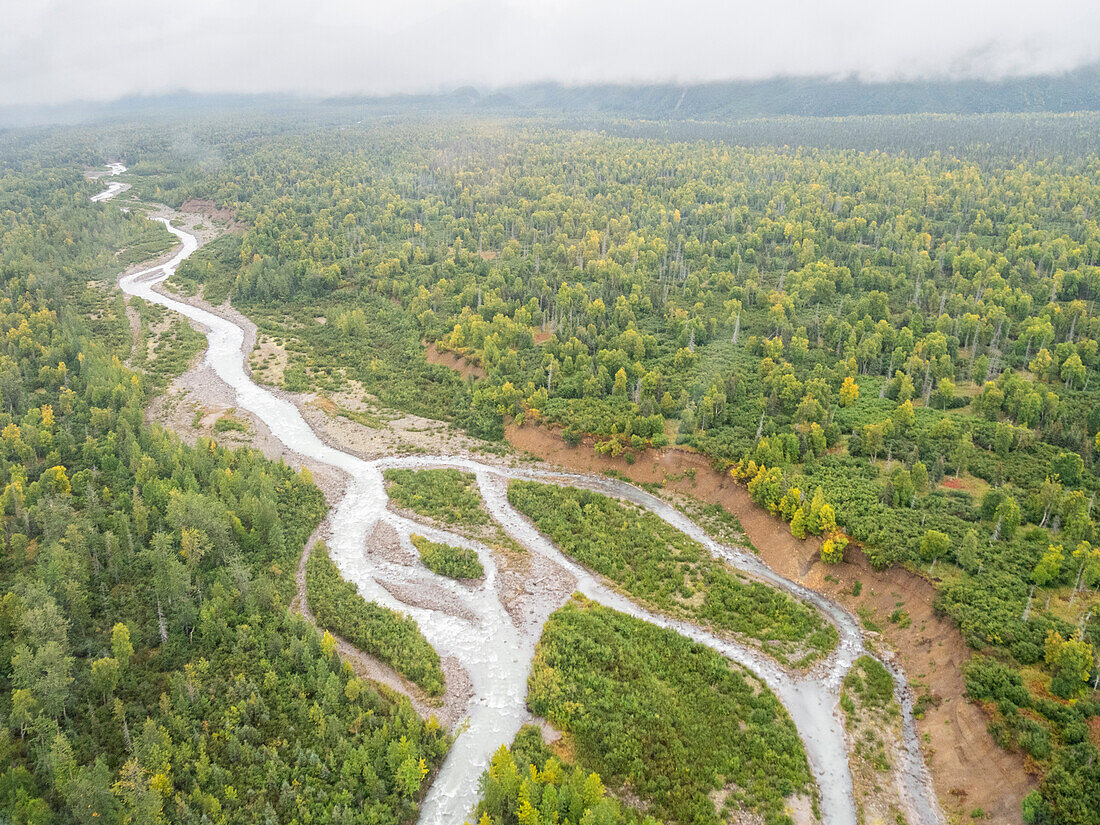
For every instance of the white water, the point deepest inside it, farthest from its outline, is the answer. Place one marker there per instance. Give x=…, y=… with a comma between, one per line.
x=113, y=187
x=494, y=652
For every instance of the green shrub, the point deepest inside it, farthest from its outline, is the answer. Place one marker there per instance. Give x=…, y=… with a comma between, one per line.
x=446, y=495
x=665, y=716
x=871, y=681
x=446, y=560
x=663, y=567
x=374, y=629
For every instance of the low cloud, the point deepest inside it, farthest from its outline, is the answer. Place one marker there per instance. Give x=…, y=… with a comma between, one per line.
x=55, y=51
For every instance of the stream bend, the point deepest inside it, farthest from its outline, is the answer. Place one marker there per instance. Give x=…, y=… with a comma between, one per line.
x=495, y=652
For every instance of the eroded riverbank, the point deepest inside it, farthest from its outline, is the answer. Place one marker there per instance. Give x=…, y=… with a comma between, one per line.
x=969, y=768
x=494, y=649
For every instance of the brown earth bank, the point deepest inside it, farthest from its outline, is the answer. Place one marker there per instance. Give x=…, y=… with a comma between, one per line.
x=969, y=769
x=209, y=209
x=446, y=358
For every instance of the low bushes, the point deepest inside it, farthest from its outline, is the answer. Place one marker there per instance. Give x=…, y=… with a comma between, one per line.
x=383, y=633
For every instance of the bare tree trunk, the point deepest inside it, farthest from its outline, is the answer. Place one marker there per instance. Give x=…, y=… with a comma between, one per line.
x=1077, y=585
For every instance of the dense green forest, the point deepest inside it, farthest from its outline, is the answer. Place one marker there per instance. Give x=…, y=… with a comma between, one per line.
x=898, y=312
x=665, y=717
x=661, y=567
x=149, y=668
x=527, y=783
x=910, y=331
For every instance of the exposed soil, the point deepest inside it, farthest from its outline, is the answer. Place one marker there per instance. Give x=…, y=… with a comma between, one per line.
x=208, y=209
x=427, y=596
x=969, y=769
x=526, y=583
x=968, y=762
x=384, y=543
x=866, y=729
x=268, y=361
x=446, y=358
x=800, y=809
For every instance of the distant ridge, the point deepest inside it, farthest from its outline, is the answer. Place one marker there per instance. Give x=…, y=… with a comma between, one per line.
x=720, y=101
x=814, y=97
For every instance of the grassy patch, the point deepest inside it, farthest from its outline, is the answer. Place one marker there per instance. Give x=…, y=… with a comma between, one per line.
x=873, y=720
x=867, y=619
x=230, y=423
x=153, y=242
x=166, y=344
x=718, y=522
x=871, y=681
x=214, y=266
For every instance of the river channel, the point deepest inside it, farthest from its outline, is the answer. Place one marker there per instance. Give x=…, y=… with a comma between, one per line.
x=495, y=650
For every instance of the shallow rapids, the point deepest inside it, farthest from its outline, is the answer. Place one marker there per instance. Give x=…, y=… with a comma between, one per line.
x=496, y=652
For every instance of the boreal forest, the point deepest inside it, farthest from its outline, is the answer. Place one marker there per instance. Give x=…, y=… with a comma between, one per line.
x=864, y=350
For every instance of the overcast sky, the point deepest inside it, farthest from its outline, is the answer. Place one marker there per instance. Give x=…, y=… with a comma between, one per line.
x=61, y=50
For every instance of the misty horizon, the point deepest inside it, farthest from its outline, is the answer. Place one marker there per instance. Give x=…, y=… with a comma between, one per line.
x=63, y=52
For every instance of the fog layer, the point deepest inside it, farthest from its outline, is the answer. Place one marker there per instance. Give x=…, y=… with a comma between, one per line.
x=54, y=51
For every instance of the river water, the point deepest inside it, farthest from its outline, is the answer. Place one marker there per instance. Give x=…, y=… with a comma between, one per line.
x=494, y=651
